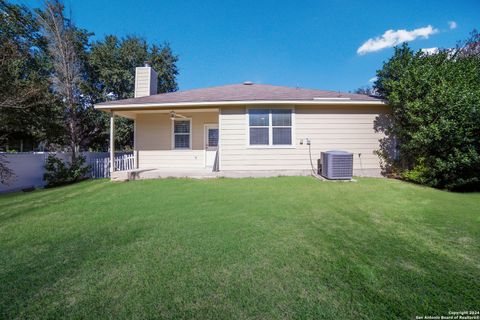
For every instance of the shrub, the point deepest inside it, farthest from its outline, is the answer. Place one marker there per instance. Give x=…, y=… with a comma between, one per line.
x=6, y=173
x=60, y=173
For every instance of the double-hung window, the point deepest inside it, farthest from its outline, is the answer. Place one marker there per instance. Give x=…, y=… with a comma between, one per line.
x=270, y=127
x=181, y=134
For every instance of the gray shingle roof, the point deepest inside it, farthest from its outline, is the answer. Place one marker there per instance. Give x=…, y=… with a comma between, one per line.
x=240, y=92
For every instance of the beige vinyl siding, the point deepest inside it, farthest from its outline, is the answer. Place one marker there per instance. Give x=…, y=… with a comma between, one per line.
x=142, y=82
x=171, y=159
x=154, y=140
x=146, y=81
x=329, y=128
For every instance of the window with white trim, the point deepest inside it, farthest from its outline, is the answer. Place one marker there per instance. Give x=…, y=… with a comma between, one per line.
x=270, y=127
x=181, y=134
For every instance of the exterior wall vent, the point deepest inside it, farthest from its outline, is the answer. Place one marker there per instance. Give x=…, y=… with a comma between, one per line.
x=337, y=165
x=146, y=81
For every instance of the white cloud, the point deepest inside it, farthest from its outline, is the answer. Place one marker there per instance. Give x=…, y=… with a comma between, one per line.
x=392, y=38
x=452, y=24
x=429, y=51
x=373, y=79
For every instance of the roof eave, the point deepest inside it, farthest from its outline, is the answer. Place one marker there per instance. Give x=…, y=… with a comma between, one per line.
x=234, y=103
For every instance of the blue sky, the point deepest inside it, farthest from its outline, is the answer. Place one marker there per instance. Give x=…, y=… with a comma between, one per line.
x=311, y=44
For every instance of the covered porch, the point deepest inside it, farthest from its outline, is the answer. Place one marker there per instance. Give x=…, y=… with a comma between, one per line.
x=180, y=142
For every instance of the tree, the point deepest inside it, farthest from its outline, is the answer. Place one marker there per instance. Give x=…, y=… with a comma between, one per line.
x=435, y=101
x=112, y=62
x=67, y=47
x=469, y=47
x=27, y=109
x=366, y=90
x=51, y=75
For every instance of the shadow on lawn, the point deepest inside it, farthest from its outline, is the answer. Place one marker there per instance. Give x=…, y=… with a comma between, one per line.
x=396, y=277
x=31, y=203
x=49, y=265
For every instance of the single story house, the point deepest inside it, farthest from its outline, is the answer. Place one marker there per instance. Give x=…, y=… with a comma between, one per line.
x=246, y=129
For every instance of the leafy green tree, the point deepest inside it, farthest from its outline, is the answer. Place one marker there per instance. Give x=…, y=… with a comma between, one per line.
x=112, y=62
x=51, y=75
x=27, y=108
x=435, y=101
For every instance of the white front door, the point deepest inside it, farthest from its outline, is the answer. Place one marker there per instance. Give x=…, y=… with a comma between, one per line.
x=211, y=144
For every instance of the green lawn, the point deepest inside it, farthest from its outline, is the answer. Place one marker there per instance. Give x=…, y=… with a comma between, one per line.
x=290, y=247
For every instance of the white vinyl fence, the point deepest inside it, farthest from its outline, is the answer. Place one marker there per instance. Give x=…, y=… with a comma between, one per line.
x=29, y=167
x=100, y=168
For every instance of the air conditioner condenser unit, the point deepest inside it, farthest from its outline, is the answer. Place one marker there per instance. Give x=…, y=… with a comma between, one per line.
x=337, y=165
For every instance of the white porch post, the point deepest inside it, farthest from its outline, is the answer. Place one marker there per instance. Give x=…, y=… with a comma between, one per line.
x=135, y=151
x=112, y=141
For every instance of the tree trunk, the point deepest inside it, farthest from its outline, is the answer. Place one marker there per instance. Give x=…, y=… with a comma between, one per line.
x=73, y=134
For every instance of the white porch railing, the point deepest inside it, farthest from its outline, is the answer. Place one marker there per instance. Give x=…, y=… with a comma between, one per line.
x=101, y=166
x=125, y=162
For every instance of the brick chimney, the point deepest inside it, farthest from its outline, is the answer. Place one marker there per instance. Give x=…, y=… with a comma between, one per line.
x=146, y=80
